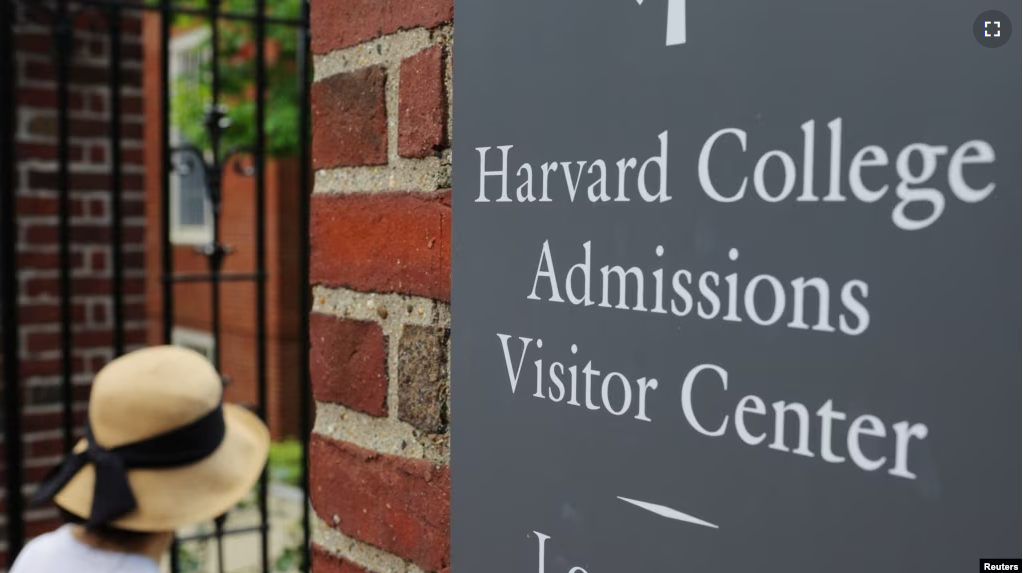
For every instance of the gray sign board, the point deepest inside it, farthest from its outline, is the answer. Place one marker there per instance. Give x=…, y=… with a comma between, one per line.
x=735, y=287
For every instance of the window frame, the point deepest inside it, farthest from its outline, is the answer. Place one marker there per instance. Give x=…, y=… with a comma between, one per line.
x=181, y=234
x=194, y=339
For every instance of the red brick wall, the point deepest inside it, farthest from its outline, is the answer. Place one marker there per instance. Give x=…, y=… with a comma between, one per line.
x=238, y=299
x=381, y=261
x=37, y=209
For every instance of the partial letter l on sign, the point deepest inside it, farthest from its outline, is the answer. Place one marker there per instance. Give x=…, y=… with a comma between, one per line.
x=676, y=22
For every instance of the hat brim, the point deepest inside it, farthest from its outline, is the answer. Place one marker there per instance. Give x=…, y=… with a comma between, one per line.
x=168, y=499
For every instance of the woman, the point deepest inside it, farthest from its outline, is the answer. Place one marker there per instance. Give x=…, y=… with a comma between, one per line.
x=161, y=451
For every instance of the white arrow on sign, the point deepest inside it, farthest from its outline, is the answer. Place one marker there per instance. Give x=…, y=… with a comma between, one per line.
x=665, y=511
x=676, y=22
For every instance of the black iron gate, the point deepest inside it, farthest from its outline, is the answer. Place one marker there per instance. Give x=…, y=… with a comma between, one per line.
x=219, y=147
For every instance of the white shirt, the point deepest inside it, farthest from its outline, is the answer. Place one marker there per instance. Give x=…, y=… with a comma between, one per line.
x=59, y=551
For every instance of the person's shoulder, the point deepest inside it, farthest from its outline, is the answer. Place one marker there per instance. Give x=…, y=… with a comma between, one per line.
x=46, y=541
x=58, y=550
x=30, y=559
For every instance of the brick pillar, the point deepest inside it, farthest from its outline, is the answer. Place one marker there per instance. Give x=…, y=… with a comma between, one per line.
x=381, y=262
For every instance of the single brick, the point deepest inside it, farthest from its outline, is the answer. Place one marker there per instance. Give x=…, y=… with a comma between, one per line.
x=82, y=286
x=48, y=341
x=422, y=116
x=48, y=234
x=383, y=242
x=44, y=71
x=48, y=420
x=29, y=98
x=397, y=504
x=423, y=377
x=47, y=395
x=33, y=42
x=48, y=367
x=101, y=182
x=348, y=363
x=47, y=205
x=325, y=562
x=46, y=313
x=48, y=151
x=46, y=261
x=132, y=156
x=45, y=448
x=337, y=24
x=350, y=119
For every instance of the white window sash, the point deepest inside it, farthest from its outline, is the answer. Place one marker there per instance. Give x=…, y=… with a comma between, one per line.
x=181, y=234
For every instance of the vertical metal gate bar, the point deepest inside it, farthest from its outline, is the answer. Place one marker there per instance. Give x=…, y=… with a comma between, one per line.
x=304, y=288
x=9, y=285
x=116, y=192
x=259, y=154
x=63, y=35
x=166, y=249
x=214, y=179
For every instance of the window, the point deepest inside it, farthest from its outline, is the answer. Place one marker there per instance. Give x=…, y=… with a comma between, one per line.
x=201, y=342
x=191, y=214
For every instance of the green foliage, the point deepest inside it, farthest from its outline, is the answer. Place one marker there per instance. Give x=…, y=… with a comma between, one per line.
x=294, y=556
x=188, y=560
x=236, y=65
x=286, y=462
x=192, y=555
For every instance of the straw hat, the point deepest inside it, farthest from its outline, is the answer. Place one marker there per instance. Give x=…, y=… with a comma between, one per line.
x=168, y=452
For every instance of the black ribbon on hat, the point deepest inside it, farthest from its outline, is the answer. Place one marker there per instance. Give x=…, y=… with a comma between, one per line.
x=112, y=496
